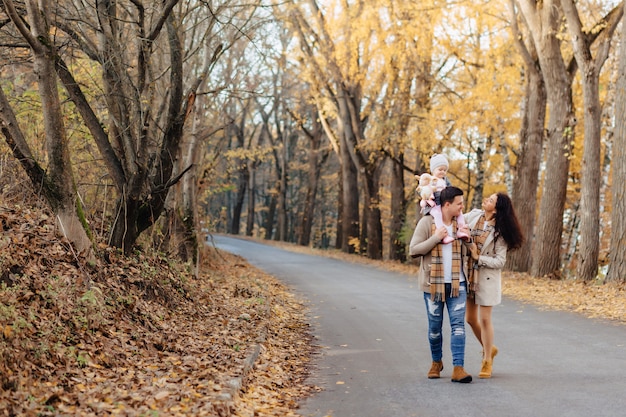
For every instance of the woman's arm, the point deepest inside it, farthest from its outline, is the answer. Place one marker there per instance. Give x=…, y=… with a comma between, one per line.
x=494, y=255
x=472, y=217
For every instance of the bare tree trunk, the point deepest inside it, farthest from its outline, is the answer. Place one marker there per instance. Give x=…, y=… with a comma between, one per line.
x=617, y=256
x=591, y=168
x=350, y=217
x=189, y=207
x=243, y=172
x=186, y=192
x=242, y=186
x=316, y=160
x=547, y=251
x=589, y=246
x=137, y=209
x=58, y=180
x=335, y=143
x=340, y=213
x=306, y=225
x=543, y=20
x=480, y=174
x=397, y=247
x=527, y=179
x=506, y=162
x=571, y=235
x=281, y=201
x=372, y=206
x=270, y=219
x=251, y=204
x=606, y=187
x=364, y=221
x=179, y=220
x=531, y=135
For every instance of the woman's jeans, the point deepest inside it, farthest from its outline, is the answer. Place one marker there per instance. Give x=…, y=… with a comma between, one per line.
x=456, y=313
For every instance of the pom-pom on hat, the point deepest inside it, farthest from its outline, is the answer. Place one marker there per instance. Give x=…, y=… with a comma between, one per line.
x=438, y=160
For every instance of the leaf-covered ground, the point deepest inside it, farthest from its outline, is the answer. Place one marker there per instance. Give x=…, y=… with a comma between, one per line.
x=142, y=336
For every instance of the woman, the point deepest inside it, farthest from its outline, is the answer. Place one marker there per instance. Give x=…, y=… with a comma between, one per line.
x=494, y=230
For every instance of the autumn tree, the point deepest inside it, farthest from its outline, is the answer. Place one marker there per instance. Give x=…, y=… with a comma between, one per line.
x=590, y=66
x=543, y=20
x=369, y=66
x=280, y=131
x=214, y=47
x=139, y=134
x=531, y=139
x=408, y=90
x=617, y=256
x=56, y=181
x=333, y=72
x=317, y=154
x=240, y=143
x=472, y=112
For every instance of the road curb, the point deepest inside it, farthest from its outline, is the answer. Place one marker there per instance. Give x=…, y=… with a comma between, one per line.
x=236, y=383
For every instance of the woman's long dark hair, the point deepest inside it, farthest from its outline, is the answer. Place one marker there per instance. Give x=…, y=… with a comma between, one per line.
x=507, y=224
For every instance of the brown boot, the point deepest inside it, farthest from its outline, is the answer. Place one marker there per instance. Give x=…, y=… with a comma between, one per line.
x=435, y=370
x=485, y=370
x=459, y=375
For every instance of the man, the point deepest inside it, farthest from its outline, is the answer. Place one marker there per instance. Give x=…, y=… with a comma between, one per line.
x=442, y=279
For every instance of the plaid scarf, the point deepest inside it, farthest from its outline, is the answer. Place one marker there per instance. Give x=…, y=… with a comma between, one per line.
x=437, y=280
x=479, y=233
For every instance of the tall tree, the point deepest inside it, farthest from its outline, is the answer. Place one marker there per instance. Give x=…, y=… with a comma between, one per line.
x=408, y=92
x=57, y=181
x=367, y=61
x=590, y=68
x=338, y=80
x=531, y=137
x=617, y=256
x=140, y=54
x=208, y=41
x=543, y=20
x=235, y=132
x=317, y=155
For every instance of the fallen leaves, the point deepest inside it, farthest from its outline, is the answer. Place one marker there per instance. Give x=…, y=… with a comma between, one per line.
x=605, y=301
x=141, y=335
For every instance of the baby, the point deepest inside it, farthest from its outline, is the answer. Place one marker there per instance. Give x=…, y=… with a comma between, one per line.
x=439, y=169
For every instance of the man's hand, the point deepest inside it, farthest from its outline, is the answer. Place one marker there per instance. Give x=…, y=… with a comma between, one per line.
x=441, y=232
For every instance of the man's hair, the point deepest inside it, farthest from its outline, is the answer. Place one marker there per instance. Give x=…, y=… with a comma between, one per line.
x=448, y=194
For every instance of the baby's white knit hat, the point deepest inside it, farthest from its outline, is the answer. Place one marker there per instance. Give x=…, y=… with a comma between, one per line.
x=438, y=160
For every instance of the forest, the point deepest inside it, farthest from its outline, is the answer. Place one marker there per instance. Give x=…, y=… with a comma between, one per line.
x=143, y=122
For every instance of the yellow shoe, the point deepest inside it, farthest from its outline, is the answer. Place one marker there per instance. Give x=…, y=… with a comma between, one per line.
x=435, y=370
x=485, y=370
x=494, y=352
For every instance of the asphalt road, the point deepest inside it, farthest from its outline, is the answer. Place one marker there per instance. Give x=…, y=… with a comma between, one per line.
x=374, y=355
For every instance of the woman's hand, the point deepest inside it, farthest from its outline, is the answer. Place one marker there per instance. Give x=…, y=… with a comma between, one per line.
x=474, y=251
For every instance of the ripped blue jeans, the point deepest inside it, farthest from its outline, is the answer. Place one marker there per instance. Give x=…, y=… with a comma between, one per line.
x=456, y=313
